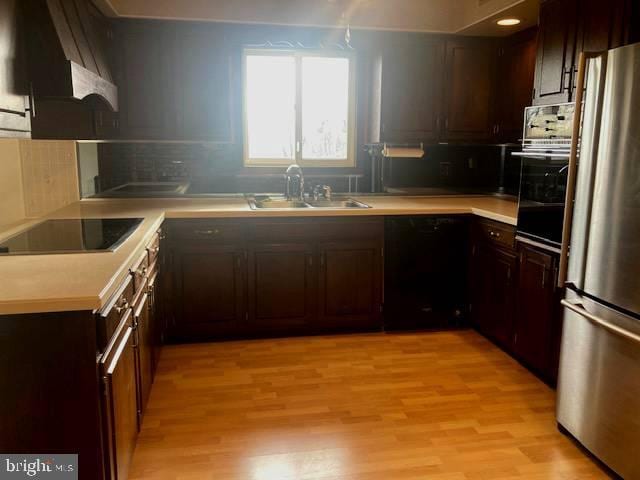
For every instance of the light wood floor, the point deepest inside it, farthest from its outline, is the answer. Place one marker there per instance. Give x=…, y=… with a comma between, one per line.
x=441, y=406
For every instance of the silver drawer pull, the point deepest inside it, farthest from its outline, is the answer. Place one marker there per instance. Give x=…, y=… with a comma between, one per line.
x=207, y=232
x=580, y=310
x=123, y=306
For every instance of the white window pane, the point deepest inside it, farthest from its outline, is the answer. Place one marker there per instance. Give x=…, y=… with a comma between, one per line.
x=270, y=106
x=325, y=108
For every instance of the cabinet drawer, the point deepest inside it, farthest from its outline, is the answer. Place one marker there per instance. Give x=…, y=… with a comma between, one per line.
x=315, y=229
x=111, y=315
x=153, y=249
x=139, y=273
x=496, y=233
x=209, y=231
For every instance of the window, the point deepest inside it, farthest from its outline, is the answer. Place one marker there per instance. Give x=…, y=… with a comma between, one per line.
x=299, y=107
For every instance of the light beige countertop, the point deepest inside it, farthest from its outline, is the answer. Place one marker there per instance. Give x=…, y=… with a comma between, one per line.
x=85, y=281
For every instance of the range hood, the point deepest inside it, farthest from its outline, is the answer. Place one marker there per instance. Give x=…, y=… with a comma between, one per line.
x=67, y=51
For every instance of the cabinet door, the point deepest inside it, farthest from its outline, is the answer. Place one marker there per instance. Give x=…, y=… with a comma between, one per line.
x=15, y=119
x=121, y=409
x=555, y=58
x=106, y=124
x=536, y=294
x=516, y=68
x=155, y=320
x=412, y=74
x=350, y=285
x=493, y=292
x=470, y=75
x=146, y=106
x=210, y=288
x=603, y=25
x=203, y=84
x=144, y=347
x=281, y=286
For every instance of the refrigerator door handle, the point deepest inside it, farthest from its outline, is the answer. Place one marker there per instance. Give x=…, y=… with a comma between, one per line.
x=572, y=175
x=580, y=310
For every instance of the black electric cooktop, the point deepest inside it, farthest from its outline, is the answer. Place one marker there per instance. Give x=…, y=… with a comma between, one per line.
x=71, y=236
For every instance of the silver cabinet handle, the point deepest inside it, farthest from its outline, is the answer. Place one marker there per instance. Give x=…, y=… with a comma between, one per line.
x=580, y=310
x=116, y=358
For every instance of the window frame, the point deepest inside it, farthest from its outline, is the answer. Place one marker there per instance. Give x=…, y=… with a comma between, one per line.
x=298, y=55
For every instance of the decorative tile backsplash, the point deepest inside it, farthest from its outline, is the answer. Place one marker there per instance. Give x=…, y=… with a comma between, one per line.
x=161, y=162
x=49, y=175
x=38, y=177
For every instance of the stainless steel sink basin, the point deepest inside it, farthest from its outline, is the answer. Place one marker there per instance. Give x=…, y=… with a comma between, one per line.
x=280, y=203
x=337, y=203
x=275, y=204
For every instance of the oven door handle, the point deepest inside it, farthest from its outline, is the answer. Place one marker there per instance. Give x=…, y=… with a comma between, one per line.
x=540, y=155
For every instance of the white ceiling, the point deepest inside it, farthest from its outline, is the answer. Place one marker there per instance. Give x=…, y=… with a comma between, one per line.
x=475, y=17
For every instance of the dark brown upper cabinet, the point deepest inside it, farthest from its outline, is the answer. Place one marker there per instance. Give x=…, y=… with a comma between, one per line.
x=470, y=74
x=516, y=68
x=556, y=50
x=433, y=89
x=143, y=73
x=176, y=81
x=604, y=26
x=569, y=27
x=411, y=87
x=202, y=83
x=15, y=118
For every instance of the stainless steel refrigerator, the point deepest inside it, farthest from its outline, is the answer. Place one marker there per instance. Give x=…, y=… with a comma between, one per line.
x=599, y=384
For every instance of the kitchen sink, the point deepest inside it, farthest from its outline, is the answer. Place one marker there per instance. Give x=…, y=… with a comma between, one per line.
x=265, y=202
x=276, y=204
x=338, y=203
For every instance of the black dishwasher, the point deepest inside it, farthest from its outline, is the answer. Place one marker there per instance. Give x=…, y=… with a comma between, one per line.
x=426, y=272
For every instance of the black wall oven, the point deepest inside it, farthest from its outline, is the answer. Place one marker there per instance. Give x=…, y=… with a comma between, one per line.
x=543, y=178
x=543, y=185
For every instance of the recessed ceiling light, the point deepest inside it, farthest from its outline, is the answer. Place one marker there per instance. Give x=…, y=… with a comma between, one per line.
x=508, y=22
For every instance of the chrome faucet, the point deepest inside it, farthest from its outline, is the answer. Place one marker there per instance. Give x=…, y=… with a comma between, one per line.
x=294, y=188
x=324, y=190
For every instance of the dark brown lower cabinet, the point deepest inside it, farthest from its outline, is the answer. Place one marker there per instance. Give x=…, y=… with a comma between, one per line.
x=536, y=336
x=350, y=288
x=143, y=335
x=493, y=291
x=281, y=287
x=265, y=277
x=515, y=301
x=209, y=297
x=120, y=412
x=155, y=319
